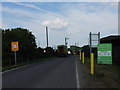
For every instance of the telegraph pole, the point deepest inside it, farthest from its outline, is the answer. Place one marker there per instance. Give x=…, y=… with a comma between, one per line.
x=47, y=35
x=47, y=41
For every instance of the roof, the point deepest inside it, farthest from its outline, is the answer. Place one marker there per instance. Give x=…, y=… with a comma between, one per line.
x=111, y=39
x=116, y=37
x=61, y=45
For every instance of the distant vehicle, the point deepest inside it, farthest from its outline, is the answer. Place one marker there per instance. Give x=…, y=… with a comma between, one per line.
x=62, y=50
x=69, y=53
x=74, y=50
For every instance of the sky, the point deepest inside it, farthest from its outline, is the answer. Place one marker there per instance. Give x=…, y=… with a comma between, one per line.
x=74, y=20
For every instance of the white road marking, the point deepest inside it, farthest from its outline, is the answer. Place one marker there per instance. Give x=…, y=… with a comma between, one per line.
x=17, y=68
x=77, y=76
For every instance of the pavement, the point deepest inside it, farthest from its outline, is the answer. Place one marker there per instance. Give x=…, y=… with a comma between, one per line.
x=58, y=72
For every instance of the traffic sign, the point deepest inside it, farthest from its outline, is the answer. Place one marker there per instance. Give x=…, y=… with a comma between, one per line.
x=14, y=46
x=104, y=52
x=94, y=40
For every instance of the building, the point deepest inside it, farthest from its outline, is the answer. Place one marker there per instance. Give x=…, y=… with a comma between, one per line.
x=115, y=40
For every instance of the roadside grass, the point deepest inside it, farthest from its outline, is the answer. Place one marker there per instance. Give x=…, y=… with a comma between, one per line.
x=99, y=75
x=4, y=68
x=105, y=75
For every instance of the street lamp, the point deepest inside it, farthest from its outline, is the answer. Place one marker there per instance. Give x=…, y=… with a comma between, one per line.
x=66, y=41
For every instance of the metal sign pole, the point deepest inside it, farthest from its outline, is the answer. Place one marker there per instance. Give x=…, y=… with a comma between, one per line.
x=15, y=58
x=90, y=44
x=98, y=37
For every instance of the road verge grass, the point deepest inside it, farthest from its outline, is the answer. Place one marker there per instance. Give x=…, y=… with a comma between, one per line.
x=5, y=68
x=105, y=76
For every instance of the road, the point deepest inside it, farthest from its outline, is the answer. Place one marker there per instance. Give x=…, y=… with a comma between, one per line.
x=58, y=72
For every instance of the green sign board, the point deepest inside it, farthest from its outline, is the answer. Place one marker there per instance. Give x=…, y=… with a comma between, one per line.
x=104, y=52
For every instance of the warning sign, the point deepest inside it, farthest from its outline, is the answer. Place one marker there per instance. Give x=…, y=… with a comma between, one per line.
x=14, y=46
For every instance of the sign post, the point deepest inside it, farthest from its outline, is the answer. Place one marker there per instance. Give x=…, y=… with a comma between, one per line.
x=14, y=47
x=15, y=57
x=94, y=40
x=104, y=53
x=92, y=63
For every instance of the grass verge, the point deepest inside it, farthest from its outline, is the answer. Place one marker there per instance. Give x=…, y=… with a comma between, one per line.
x=105, y=76
x=5, y=68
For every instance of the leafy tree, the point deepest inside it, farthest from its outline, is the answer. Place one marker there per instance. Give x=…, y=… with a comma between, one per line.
x=40, y=53
x=27, y=45
x=49, y=51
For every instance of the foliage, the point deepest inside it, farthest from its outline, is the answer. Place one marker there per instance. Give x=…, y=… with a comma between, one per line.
x=50, y=51
x=27, y=45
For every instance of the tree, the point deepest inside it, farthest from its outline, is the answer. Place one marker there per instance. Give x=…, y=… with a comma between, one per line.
x=39, y=53
x=27, y=45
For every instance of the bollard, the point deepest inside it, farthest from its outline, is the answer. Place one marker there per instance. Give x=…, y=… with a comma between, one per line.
x=82, y=57
x=92, y=63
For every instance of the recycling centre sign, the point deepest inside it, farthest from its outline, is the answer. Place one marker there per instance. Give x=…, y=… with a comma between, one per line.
x=104, y=52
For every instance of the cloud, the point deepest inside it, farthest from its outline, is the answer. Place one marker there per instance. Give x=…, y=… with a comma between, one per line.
x=114, y=4
x=31, y=6
x=72, y=21
x=60, y=0
x=16, y=12
x=57, y=23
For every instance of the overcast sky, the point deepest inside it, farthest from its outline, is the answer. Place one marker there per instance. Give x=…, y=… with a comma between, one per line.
x=74, y=20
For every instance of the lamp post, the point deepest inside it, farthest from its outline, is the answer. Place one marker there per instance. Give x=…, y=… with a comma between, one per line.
x=66, y=41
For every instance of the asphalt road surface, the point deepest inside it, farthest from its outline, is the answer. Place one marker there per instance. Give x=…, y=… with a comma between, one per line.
x=59, y=72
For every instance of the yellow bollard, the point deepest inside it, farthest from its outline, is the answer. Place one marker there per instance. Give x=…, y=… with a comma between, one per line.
x=82, y=57
x=92, y=63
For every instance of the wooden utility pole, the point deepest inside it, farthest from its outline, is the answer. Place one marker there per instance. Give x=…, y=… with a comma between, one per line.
x=47, y=35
